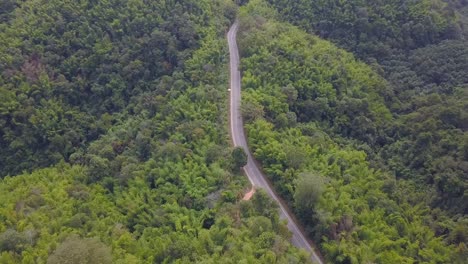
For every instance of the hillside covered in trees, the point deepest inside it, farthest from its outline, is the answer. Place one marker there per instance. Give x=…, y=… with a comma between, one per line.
x=115, y=148
x=369, y=148
x=114, y=138
x=421, y=49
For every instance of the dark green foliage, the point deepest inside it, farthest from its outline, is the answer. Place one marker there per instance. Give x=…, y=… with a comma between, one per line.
x=67, y=65
x=239, y=158
x=6, y=9
x=376, y=29
x=431, y=151
x=12, y=240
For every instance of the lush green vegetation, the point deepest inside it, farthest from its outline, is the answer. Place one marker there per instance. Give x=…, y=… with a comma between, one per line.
x=375, y=176
x=115, y=148
x=420, y=48
x=377, y=29
x=114, y=140
x=48, y=215
x=69, y=67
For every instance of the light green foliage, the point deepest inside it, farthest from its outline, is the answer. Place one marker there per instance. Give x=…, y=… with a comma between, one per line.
x=356, y=213
x=71, y=219
x=41, y=207
x=353, y=218
x=311, y=77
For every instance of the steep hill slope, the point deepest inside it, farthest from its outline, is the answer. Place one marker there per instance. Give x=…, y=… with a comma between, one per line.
x=317, y=120
x=116, y=111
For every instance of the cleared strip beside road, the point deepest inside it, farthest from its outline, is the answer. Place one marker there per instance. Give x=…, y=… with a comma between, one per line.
x=238, y=137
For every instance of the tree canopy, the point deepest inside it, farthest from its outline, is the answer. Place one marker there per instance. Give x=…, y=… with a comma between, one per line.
x=114, y=139
x=362, y=163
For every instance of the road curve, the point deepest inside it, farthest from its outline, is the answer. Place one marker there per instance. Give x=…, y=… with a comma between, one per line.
x=254, y=174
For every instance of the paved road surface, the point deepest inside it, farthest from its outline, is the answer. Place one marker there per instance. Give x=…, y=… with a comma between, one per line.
x=237, y=132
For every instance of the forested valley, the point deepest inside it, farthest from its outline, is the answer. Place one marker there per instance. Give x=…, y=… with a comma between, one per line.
x=114, y=142
x=115, y=145
x=365, y=135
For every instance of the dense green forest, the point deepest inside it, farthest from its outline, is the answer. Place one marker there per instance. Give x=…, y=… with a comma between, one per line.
x=372, y=156
x=114, y=138
x=50, y=216
x=420, y=48
x=115, y=148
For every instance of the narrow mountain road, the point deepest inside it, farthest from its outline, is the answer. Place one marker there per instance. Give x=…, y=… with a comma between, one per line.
x=238, y=137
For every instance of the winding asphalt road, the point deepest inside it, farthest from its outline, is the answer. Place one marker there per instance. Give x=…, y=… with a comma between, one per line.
x=238, y=137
